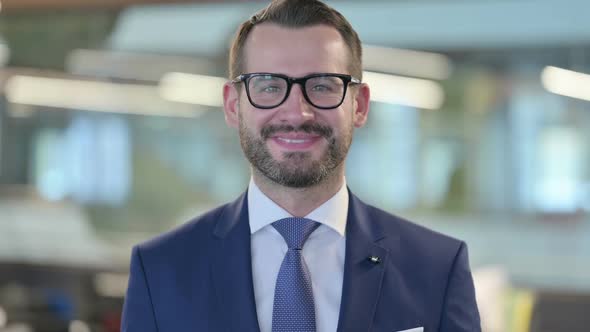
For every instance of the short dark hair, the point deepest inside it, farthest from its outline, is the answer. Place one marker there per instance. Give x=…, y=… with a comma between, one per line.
x=297, y=14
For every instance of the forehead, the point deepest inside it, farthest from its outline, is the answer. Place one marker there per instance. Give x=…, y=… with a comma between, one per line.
x=295, y=51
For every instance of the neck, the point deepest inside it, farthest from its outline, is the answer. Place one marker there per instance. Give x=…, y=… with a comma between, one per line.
x=300, y=201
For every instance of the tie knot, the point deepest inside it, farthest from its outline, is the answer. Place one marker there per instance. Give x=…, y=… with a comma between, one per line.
x=295, y=231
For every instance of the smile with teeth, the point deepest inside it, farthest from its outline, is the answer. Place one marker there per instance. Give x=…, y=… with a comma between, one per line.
x=293, y=140
x=296, y=142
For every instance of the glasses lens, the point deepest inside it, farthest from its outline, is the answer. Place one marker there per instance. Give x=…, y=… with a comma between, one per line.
x=325, y=91
x=267, y=90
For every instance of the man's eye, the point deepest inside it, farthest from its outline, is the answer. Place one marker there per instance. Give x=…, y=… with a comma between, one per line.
x=270, y=89
x=322, y=88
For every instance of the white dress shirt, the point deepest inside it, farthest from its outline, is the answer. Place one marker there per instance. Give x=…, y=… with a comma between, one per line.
x=323, y=253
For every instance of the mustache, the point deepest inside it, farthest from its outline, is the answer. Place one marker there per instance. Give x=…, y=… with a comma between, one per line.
x=308, y=128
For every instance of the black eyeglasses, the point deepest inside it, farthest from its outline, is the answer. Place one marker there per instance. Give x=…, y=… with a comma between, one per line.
x=324, y=91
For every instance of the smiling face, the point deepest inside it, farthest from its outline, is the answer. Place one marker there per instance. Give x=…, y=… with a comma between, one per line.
x=295, y=144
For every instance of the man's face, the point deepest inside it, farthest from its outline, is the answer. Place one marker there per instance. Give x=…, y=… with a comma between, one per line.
x=295, y=144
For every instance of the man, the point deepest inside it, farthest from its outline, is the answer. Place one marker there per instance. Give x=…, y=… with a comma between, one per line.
x=299, y=252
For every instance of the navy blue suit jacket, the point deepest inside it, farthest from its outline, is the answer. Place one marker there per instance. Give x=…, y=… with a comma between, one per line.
x=199, y=277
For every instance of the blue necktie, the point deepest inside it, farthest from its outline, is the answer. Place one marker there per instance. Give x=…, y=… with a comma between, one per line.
x=294, y=308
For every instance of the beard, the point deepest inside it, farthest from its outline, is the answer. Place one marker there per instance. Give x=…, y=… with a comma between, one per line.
x=297, y=169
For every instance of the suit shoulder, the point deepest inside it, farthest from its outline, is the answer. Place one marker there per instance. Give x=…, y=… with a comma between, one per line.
x=422, y=248
x=413, y=234
x=193, y=232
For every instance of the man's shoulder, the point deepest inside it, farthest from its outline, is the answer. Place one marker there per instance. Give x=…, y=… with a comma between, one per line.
x=410, y=233
x=418, y=247
x=413, y=229
x=193, y=233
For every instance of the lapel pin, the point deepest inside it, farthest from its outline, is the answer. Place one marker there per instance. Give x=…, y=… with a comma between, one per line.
x=374, y=259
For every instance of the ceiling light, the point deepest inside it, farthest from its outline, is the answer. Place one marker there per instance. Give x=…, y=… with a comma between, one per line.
x=92, y=96
x=413, y=92
x=406, y=62
x=192, y=89
x=566, y=82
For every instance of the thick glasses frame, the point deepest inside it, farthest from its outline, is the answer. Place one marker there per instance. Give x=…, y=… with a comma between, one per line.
x=346, y=80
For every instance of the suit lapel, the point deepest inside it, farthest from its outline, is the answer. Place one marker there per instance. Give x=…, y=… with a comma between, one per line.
x=232, y=267
x=362, y=277
x=362, y=285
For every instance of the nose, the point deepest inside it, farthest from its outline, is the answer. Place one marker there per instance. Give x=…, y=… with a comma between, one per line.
x=296, y=110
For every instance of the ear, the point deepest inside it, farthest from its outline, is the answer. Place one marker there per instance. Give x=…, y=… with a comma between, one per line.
x=361, y=102
x=231, y=100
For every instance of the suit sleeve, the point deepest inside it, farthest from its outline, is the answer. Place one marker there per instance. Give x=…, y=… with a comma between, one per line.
x=460, y=313
x=138, y=312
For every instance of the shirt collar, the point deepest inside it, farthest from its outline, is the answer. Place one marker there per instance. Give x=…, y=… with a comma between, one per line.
x=262, y=211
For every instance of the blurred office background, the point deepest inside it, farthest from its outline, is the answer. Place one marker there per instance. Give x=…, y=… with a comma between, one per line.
x=111, y=131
